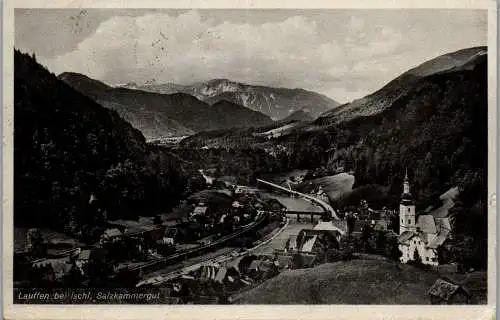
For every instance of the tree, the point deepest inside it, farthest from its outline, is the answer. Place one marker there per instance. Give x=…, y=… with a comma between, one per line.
x=74, y=278
x=245, y=263
x=99, y=272
x=36, y=245
x=127, y=278
x=366, y=234
x=351, y=222
x=157, y=220
x=392, y=248
x=380, y=241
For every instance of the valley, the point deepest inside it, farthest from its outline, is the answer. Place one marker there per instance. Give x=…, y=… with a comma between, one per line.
x=226, y=190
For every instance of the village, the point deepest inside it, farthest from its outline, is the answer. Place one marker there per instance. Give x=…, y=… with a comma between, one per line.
x=209, y=255
x=362, y=233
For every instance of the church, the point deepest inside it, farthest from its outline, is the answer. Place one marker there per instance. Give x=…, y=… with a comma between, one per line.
x=422, y=236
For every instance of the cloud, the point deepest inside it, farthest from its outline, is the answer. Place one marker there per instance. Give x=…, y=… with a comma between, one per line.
x=345, y=59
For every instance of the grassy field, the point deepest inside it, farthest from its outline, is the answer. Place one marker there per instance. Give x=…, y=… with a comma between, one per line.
x=283, y=176
x=48, y=235
x=335, y=186
x=356, y=282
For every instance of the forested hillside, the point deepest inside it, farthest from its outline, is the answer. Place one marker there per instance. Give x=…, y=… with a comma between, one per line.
x=67, y=148
x=402, y=85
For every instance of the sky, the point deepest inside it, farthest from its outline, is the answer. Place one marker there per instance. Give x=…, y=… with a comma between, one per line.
x=344, y=54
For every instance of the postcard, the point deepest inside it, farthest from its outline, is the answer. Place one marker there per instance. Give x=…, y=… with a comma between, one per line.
x=251, y=160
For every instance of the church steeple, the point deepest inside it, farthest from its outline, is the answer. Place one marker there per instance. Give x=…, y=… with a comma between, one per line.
x=406, y=208
x=406, y=184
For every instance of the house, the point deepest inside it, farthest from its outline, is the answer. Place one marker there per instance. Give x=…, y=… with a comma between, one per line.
x=93, y=199
x=336, y=225
x=257, y=206
x=307, y=248
x=61, y=269
x=112, y=235
x=380, y=225
x=295, y=260
x=321, y=194
x=97, y=255
x=420, y=237
x=262, y=269
x=221, y=275
x=56, y=268
x=82, y=260
x=237, y=204
x=174, y=235
x=200, y=210
x=447, y=292
x=285, y=261
x=208, y=272
x=313, y=241
x=164, y=247
x=291, y=244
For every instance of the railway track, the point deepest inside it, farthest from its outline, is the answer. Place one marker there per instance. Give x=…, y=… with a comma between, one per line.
x=176, y=258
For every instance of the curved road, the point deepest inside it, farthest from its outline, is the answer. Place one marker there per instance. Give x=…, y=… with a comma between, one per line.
x=328, y=208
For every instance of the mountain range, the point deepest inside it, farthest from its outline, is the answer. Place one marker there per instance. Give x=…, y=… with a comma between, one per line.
x=277, y=103
x=160, y=115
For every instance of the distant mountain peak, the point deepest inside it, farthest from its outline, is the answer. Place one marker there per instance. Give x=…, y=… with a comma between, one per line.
x=277, y=103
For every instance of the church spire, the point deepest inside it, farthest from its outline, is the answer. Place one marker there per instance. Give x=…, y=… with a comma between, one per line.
x=406, y=184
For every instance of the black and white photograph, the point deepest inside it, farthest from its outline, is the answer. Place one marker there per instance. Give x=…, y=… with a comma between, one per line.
x=250, y=156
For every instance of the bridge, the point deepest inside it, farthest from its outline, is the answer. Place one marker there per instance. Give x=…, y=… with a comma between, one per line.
x=328, y=208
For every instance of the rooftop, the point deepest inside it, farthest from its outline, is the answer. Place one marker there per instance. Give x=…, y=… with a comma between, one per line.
x=84, y=255
x=444, y=289
x=426, y=224
x=200, y=210
x=405, y=236
x=112, y=232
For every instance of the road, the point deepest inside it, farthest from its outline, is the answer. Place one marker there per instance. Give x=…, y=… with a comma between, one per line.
x=278, y=242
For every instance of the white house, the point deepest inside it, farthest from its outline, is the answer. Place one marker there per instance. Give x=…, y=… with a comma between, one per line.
x=421, y=236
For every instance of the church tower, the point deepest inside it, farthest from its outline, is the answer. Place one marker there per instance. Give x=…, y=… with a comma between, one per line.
x=406, y=209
